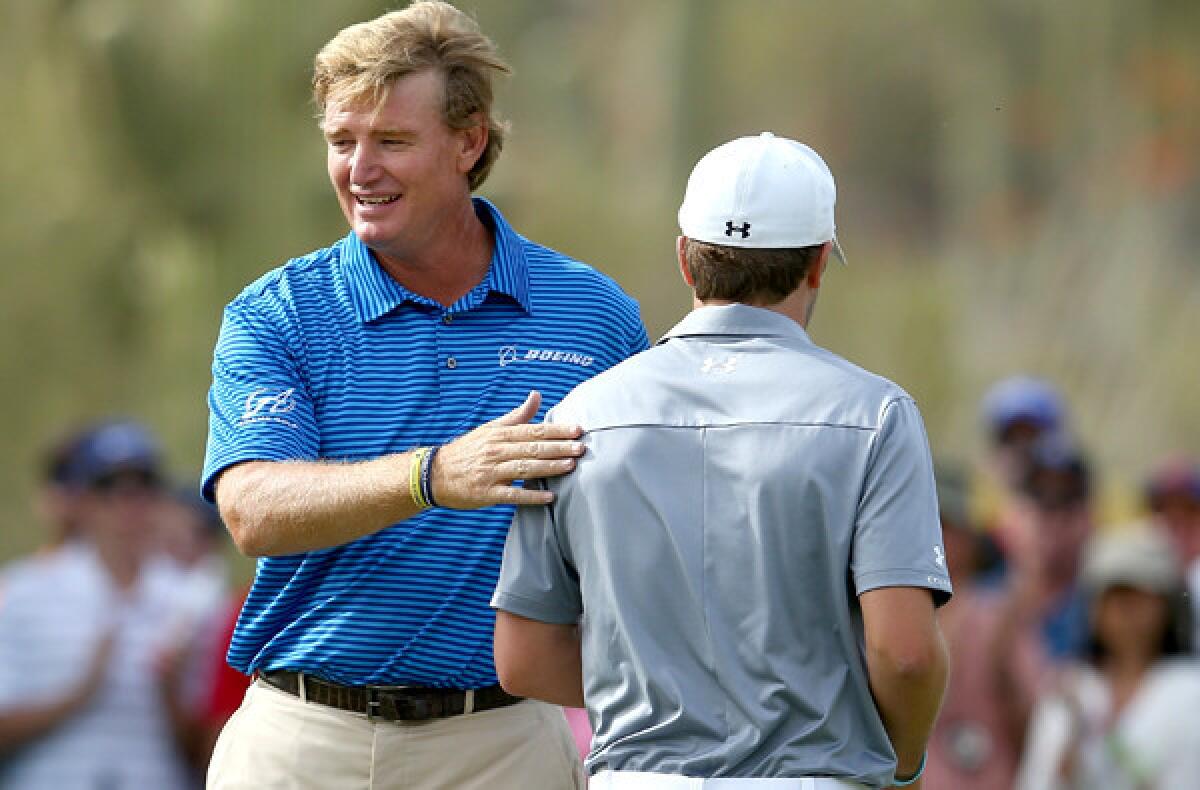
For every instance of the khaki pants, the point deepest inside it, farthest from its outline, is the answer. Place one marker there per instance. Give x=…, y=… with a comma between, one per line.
x=277, y=742
x=637, y=780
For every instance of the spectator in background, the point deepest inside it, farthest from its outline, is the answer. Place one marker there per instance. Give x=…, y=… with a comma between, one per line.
x=82, y=704
x=1128, y=716
x=994, y=671
x=193, y=538
x=1016, y=411
x=1173, y=498
x=1053, y=519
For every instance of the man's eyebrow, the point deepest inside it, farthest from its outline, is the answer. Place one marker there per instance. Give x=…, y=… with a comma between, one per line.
x=337, y=131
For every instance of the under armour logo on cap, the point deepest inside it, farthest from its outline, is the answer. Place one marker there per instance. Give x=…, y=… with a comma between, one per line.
x=780, y=187
x=730, y=229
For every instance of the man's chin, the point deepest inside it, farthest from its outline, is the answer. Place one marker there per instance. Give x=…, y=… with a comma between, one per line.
x=371, y=232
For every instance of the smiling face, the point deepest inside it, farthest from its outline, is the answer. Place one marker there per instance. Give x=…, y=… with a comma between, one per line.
x=400, y=173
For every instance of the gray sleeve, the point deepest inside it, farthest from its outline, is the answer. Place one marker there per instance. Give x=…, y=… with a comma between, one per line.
x=536, y=579
x=898, y=533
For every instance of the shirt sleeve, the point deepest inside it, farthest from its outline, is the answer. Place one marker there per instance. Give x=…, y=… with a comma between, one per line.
x=9, y=650
x=898, y=534
x=537, y=580
x=259, y=406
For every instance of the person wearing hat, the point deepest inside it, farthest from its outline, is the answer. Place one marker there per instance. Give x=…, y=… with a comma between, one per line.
x=1173, y=499
x=1016, y=413
x=740, y=577
x=1054, y=518
x=1126, y=717
x=81, y=700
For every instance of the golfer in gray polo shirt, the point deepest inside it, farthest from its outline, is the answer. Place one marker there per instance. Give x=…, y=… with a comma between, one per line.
x=739, y=578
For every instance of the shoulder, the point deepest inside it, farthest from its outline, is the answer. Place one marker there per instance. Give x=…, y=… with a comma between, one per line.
x=555, y=275
x=858, y=382
x=278, y=289
x=596, y=389
x=56, y=570
x=842, y=393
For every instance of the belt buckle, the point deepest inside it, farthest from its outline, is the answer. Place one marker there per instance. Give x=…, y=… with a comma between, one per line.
x=398, y=703
x=373, y=703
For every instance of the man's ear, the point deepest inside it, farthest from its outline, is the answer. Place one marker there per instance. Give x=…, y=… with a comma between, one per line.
x=681, y=254
x=472, y=141
x=813, y=278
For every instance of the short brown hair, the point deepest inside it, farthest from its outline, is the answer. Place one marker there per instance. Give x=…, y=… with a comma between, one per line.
x=746, y=274
x=364, y=60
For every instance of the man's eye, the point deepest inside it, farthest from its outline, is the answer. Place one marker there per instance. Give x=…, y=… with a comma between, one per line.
x=394, y=143
x=340, y=144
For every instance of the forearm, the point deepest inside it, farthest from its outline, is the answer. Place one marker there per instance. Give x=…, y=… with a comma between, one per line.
x=21, y=725
x=1014, y=696
x=187, y=730
x=287, y=507
x=559, y=681
x=908, y=698
x=539, y=660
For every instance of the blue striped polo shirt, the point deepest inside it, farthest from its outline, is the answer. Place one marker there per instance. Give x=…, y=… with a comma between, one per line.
x=328, y=357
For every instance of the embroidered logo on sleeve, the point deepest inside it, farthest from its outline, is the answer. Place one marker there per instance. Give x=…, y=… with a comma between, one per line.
x=264, y=405
x=939, y=556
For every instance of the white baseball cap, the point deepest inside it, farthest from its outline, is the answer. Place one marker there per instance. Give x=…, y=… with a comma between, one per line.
x=1138, y=556
x=762, y=192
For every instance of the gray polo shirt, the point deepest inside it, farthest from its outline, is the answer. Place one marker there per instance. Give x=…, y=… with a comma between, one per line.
x=740, y=489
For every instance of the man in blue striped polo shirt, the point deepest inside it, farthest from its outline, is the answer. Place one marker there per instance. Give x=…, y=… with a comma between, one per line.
x=340, y=382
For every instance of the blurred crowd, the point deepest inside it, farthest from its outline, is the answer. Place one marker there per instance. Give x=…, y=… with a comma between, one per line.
x=112, y=654
x=1070, y=637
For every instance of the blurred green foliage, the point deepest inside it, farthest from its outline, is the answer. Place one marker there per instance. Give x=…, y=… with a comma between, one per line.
x=1019, y=190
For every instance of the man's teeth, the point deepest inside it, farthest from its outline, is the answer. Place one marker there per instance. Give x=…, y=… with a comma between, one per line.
x=376, y=201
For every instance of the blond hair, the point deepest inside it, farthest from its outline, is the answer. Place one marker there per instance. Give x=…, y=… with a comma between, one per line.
x=363, y=61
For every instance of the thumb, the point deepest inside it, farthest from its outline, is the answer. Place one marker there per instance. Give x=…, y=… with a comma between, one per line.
x=525, y=412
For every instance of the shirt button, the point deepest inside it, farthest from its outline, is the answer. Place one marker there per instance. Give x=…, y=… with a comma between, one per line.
x=452, y=363
x=447, y=318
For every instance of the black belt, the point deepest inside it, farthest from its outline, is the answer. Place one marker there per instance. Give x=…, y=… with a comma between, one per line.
x=390, y=703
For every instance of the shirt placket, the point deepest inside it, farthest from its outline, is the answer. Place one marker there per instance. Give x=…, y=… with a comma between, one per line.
x=447, y=355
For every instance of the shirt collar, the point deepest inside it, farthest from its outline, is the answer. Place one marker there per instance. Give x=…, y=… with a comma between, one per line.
x=738, y=320
x=374, y=293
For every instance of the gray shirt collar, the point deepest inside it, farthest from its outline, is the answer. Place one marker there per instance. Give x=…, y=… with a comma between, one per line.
x=736, y=320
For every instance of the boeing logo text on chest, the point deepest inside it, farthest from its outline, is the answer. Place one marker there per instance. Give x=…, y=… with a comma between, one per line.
x=510, y=354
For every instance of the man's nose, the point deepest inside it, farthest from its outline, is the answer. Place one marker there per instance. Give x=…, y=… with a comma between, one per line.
x=364, y=164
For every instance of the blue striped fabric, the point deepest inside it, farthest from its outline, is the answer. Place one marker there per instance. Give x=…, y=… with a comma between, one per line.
x=328, y=357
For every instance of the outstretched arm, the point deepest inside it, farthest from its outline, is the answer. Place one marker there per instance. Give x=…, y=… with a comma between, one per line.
x=286, y=507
